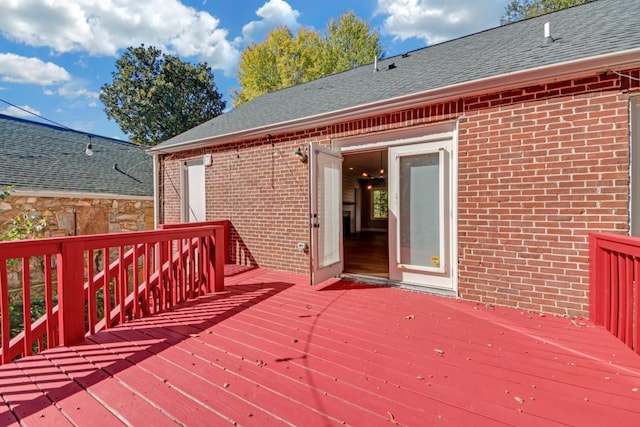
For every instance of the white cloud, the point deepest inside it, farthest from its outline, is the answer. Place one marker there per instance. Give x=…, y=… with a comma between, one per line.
x=20, y=69
x=273, y=14
x=76, y=89
x=19, y=112
x=435, y=21
x=101, y=27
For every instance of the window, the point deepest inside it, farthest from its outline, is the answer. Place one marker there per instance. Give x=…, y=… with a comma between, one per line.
x=379, y=203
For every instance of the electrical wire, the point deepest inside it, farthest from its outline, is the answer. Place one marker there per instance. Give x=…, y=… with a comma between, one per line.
x=626, y=75
x=37, y=115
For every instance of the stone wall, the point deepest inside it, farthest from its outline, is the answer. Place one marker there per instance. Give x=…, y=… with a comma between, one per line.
x=70, y=216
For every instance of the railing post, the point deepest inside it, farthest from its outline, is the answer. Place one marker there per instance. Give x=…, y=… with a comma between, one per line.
x=4, y=313
x=217, y=259
x=71, y=293
x=594, y=285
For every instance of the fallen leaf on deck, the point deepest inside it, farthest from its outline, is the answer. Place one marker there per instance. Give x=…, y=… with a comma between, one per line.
x=635, y=389
x=295, y=340
x=519, y=399
x=577, y=324
x=226, y=385
x=440, y=352
x=409, y=317
x=194, y=335
x=420, y=378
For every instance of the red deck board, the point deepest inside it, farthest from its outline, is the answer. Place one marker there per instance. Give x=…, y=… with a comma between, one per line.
x=214, y=341
x=490, y=358
x=482, y=351
x=263, y=374
x=444, y=384
x=108, y=391
x=239, y=383
x=156, y=388
x=272, y=350
x=291, y=402
x=25, y=398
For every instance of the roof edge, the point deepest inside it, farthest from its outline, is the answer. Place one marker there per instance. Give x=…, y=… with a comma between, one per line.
x=76, y=195
x=563, y=70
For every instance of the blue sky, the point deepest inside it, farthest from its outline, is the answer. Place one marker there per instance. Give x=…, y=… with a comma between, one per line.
x=56, y=54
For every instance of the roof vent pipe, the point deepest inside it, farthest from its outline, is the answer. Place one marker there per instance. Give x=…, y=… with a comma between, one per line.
x=547, y=33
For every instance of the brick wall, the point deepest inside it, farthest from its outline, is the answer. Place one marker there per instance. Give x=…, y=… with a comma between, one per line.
x=262, y=189
x=539, y=168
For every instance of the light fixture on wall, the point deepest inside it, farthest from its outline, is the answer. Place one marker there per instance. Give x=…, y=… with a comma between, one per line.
x=300, y=155
x=89, y=150
x=381, y=166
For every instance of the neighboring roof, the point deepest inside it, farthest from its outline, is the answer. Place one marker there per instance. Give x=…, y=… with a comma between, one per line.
x=593, y=30
x=40, y=157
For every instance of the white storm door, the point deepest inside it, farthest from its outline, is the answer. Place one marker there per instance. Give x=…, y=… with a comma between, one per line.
x=194, y=199
x=420, y=215
x=326, y=213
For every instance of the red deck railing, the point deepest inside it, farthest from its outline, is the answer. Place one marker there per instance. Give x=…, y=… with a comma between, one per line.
x=90, y=283
x=614, y=264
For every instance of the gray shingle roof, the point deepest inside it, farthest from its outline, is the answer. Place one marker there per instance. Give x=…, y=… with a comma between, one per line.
x=590, y=30
x=36, y=156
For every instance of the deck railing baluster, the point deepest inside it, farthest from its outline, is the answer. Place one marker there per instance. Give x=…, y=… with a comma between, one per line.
x=51, y=320
x=614, y=278
x=151, y=271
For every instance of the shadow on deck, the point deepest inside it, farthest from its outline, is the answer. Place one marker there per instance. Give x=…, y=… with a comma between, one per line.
x=272, y=350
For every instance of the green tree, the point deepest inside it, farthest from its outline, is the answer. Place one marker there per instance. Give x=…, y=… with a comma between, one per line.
x=518, y=10
x=284, y=60
x=348, y=43
x=155, y=96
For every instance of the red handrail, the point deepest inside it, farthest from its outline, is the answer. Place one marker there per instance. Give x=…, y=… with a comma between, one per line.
x=141, y=273
x=614, y=273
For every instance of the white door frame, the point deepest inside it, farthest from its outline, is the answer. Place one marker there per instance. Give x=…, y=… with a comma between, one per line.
x=193, y=183
x=442, y=134
x=325, y=189
x=435, y=272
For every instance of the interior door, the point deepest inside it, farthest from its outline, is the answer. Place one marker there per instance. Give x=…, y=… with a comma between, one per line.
x=326, y=213
x=420, y=215
x=194, y=200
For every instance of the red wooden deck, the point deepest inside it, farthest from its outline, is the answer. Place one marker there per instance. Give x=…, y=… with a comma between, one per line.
x=270, y=350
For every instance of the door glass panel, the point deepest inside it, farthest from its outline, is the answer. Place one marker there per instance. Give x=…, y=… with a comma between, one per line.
x=419, y=209
x=329, y=210
x=195, y=198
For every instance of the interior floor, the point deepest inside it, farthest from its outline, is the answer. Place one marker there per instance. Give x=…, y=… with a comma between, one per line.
x=366, y=253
